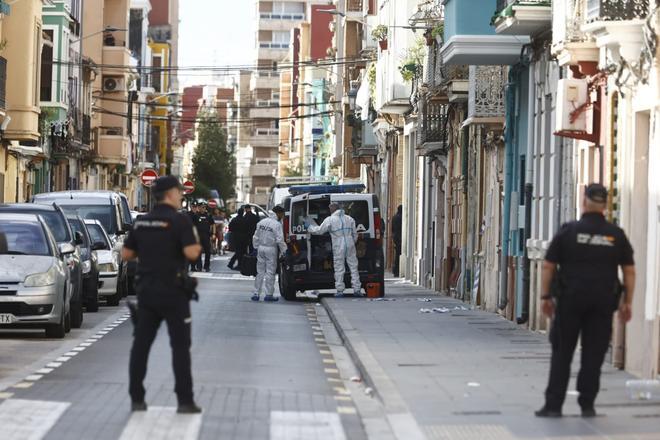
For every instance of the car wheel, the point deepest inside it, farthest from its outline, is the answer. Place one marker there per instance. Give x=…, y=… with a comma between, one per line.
x=76, y=314
x=57, y=331
x=287, y=291
x=93, y=302
x=114, y=299
x=67, y=322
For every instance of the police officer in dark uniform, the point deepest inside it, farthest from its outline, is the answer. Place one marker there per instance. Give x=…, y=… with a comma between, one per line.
x=583, y=260
x=204, y=224
x=194, y=218
x=164, y=241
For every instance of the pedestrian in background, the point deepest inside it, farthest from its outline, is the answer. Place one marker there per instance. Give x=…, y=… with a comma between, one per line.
x=163, y=240
x=205, y=225
x=397, y=221
x=583, y=261
x=343, y=233
x=251, y=221
x=239, y=239
x=194, y=219
x=268, y=240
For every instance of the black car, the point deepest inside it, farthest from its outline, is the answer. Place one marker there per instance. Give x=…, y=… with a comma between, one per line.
x=59, y=226
x=90, y=267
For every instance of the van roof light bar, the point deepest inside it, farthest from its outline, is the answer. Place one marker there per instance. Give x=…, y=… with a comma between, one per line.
x=327, y=189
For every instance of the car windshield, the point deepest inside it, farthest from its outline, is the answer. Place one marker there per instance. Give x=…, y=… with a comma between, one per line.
x=319, y=210
x=22, y=238
x=97, y=235
x=57, y=225
x=103, y=213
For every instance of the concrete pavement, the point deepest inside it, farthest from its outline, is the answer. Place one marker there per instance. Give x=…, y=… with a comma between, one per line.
x=469, y=374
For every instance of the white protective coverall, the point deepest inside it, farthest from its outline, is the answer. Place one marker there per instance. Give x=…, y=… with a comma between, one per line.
x=344, y=235
x=267, y=238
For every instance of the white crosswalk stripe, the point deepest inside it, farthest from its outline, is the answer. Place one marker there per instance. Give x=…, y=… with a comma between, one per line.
x=162, y=423
x=29, y=419
x=294, y=425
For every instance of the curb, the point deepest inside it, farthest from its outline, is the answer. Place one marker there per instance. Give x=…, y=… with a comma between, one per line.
x=403, y=424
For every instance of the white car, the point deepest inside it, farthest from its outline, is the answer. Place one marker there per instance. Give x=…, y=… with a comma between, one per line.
x=107, y=256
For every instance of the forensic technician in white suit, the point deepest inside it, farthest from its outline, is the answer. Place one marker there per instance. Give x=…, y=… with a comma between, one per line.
x=268, y=240
x=344, y=235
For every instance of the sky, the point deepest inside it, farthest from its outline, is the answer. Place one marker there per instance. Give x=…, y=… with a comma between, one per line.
x=215, y=32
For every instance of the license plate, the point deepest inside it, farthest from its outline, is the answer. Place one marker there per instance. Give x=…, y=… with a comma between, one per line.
x=299, y=267
x=7, y=318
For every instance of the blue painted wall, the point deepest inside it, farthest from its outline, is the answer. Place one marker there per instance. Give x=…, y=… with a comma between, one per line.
x=469, y=17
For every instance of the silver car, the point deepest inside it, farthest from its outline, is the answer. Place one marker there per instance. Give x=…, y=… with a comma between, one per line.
x=34, y=286
x=107, y=257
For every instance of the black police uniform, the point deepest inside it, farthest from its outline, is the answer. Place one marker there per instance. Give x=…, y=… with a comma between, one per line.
x=588, y=253
x=158, y=238
x=194, y=219
x=204, y=221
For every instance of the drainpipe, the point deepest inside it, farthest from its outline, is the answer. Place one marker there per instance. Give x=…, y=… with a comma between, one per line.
x=509, y=142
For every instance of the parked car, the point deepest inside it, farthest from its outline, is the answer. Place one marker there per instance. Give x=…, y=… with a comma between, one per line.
x=111, y=209
x=308, y=261
x=56, y=220
x=90, y=268
x=34, y=277
x=108, y=261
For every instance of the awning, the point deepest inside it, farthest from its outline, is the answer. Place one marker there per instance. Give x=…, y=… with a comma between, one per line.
x=25, y=150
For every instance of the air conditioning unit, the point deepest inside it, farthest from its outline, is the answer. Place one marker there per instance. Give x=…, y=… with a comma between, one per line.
x=572, y=100
x=114, y=84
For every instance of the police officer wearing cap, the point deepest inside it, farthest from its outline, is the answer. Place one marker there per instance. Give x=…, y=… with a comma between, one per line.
x=164, y=240
x=581, y=290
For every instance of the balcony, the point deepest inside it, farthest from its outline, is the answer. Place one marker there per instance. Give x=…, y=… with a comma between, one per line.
x=355, y=9
x=267, y=50
x=272, y=21
x=486, y=92
x=113, y=147
x=522, y=17
x=392, y=92
x=262, y=167
x=265, y=80
x=432, y=134
x=469, y=39
x=263, y=140
x=86, y=130
x=118, y=56
x=272, y=111
x=617, y=25
x=570, y=45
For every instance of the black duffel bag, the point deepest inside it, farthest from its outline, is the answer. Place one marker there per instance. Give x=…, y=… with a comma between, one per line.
x=248, y=265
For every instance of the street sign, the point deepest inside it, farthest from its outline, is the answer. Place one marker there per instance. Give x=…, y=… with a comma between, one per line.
x=213, y=204
x=148, y=177
x=188, y=187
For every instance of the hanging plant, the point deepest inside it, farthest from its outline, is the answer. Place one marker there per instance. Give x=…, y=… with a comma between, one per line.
x=371, y=78
x=413, y=60
x=438, y=33
x=379, y=33
x=408, y=71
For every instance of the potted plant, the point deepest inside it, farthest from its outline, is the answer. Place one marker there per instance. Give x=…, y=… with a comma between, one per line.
x=438, y=33
x=380, y=34
x=412, y=61
x=408, y=71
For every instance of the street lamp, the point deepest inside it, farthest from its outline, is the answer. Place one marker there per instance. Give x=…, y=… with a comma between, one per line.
x=106, y=29
x=352, y=97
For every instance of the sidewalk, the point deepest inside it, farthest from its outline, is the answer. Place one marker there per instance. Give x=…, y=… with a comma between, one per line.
x=469, y=374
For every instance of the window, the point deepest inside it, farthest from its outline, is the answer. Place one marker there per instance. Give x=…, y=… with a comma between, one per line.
x=156, y=82
x=98, y=236
x=18, y=238
x=46, y=89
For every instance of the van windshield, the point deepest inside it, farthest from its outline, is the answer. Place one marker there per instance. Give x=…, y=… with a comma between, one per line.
x=103, y=213
x=318, y=210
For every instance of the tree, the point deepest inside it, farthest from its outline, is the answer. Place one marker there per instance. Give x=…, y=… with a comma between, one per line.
x=214, y=165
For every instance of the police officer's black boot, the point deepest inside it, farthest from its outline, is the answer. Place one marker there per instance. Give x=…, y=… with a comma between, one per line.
x=138, y=406
x=189, y=408
x=547, y=412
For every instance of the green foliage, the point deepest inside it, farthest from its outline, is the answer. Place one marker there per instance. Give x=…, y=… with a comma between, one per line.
x=438, y=31
x=379, y=33
x=371, y=78
x=413, y=59
x=293, y=170
x=214, y=165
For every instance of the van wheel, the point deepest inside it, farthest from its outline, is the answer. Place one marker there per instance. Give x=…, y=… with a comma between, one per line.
x=76, y=311
x=287, y=291
x=93, y=302
x=57, y=331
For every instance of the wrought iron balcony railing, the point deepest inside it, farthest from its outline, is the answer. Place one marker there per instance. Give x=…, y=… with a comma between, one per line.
x=433, y=123
x=615, y=10
x=503, y=4
x=486, y=91
x=3, y=82
x=86, y=130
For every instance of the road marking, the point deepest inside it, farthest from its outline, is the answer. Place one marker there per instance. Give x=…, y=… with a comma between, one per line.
x=34, y=377
x=341, y=390
x=346, y=410
x=293, y=425
x=29, y=419
x=331, y=370
x=79, y=349
x=44, y=370
x=325, y=352
x=71, y=353
x=162, y=423
x=334, y=380
x=23, y=385
x=343, y=398
x=62, y=358
x=53, y=364
x=85, y=344
x=6, y=395
x=328, y=361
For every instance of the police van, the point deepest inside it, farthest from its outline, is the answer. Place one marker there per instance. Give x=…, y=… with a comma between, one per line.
x=308, y=263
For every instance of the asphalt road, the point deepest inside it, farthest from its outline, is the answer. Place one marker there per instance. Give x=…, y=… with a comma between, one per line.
x=261, y=371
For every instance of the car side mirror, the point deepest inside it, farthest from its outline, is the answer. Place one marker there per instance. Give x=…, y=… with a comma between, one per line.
x=98, y=246
x=126, y=228
x=78, y=238
x=66, y=248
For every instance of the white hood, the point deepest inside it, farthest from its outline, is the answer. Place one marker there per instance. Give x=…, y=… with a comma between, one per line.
x=14, y=268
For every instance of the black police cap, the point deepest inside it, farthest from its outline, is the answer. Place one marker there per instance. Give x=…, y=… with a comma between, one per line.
x=596, y=192
x=277, y=209
x=166, y=183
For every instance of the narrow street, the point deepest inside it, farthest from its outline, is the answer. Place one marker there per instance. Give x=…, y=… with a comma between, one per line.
x=290, y=370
